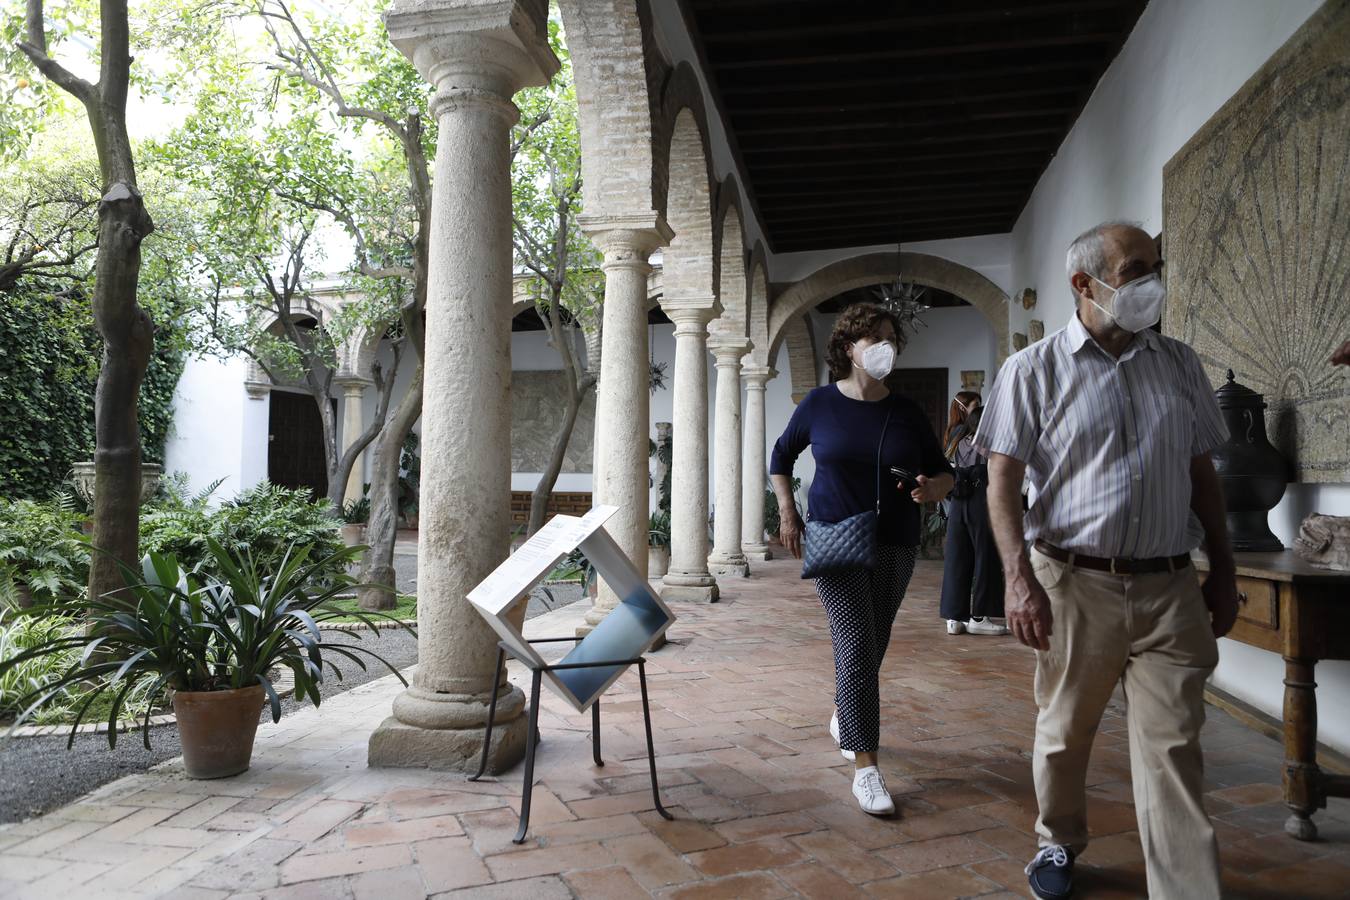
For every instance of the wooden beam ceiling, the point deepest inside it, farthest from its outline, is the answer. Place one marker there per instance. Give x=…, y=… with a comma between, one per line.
x=879, y=121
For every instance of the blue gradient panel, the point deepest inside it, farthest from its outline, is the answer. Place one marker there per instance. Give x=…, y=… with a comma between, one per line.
x=625, y=633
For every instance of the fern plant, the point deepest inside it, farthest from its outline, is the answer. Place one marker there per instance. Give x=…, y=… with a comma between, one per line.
x=44, y=557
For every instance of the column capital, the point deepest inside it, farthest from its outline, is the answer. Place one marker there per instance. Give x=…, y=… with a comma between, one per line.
x=691, y=313
x=758, y=376
x=479, y=50
x=628, y=237
x=728, y=348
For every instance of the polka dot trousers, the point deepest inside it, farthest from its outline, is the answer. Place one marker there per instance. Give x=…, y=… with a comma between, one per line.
x=861, y=606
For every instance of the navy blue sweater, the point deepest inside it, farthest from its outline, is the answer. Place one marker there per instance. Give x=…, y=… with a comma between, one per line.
x=843, y=434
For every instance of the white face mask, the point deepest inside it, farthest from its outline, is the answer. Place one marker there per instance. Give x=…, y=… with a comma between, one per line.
x=878, y=360
x=1135, y=305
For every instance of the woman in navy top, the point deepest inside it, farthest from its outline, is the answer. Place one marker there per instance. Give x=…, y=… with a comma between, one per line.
x=842, y=424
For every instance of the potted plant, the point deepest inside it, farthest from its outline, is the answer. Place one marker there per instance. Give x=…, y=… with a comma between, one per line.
x=658, y=545
x=355, y=515
x=212, y=642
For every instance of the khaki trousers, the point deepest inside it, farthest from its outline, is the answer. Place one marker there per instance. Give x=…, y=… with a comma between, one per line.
x=1151, y=633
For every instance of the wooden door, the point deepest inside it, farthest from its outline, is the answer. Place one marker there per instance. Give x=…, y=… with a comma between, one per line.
x=926, y=387
x=295, y=457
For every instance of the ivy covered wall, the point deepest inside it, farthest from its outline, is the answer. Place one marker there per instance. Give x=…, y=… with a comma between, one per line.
x=49, y=361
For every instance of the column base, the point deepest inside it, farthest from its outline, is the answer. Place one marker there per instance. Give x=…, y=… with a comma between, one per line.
x=757, y=552
x=398, y=745
x=732, y=565
x=431, y=730
x=698, y=587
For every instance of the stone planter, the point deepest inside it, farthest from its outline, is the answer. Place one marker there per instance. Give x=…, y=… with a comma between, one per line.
x=658, y=561
x=353, y=534
x=82, y=475
x=217, y=729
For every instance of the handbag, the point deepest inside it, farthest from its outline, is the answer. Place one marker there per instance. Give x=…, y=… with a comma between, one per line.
x=833, y=547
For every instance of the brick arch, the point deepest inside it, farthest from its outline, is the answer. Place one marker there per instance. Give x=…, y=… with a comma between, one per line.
x=729, y=241
x=685, y=196
x=611, y=65
x=803, y=360
x=875, y=268
x=690, y=268
x=757, y=305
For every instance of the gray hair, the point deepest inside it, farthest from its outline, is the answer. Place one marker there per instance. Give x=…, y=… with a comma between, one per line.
x=1087, y=253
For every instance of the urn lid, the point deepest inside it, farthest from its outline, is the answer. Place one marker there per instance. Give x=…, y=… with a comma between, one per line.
x=1235, y=395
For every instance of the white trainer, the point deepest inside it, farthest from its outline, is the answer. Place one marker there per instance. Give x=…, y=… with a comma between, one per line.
x=834, y=733
x=986, y=625
x=871, y=792
x=956, y=626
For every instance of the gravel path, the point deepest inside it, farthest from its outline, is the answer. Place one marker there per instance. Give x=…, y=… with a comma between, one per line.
x=38, y=774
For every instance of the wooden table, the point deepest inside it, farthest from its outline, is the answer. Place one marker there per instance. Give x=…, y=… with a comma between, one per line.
x=1302, y=613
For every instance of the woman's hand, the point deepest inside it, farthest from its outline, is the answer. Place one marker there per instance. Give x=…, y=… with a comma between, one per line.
x=932, y=490
x=790, y=531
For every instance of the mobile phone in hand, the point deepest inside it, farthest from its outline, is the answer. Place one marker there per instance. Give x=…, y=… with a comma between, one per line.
x=907, y=479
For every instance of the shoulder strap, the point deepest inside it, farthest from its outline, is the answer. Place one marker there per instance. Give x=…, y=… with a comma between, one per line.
x=890, y=407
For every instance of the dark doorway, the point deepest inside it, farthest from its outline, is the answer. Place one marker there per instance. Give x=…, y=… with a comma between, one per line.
x=295, y=457
x=926, y=387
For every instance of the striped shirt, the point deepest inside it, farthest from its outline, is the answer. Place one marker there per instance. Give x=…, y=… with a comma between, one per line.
x=1107, y=443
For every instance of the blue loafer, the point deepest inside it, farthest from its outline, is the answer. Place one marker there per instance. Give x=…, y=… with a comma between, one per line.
x=1050, y=873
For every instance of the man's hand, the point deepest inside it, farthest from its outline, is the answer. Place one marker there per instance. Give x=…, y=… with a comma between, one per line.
x=1221, y=596
x=790, y=530
x=1027, y=607
x=931, y=490
x=1342, y=355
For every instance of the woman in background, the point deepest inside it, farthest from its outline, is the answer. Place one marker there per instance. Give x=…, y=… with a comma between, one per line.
x=971, y=560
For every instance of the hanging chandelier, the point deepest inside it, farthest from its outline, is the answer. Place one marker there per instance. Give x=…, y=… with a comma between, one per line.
x=905, y=300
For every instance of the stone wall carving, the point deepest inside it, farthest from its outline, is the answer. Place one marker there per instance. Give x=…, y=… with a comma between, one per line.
x=537, y=408
x=1255, y=214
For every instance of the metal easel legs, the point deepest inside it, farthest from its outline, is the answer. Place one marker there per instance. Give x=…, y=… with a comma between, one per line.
x=533, y=736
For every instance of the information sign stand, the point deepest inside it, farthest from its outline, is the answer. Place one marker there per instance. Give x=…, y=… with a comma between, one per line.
x=597, y=660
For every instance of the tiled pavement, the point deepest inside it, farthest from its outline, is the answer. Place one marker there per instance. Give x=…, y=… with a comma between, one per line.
x=761, y=798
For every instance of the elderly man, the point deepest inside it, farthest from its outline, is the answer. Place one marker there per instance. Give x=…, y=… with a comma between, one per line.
x=1113, y=423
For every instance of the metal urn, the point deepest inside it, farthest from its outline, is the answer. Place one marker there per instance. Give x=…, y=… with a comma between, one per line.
x=1253, y=473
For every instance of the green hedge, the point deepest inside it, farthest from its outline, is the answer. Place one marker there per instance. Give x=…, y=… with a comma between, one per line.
x=50, y=354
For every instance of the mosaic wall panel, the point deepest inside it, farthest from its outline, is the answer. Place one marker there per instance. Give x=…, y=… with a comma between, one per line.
x=1256, y=222
x=538, y=402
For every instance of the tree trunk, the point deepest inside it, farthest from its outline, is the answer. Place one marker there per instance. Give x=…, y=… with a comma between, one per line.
x=377, y=564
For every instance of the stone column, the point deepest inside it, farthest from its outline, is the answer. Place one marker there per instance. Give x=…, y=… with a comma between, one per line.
x=688, y=578
x=476, y=54
x=727, y=558
x=623, y=399
x=754, y=472
x=353, y=423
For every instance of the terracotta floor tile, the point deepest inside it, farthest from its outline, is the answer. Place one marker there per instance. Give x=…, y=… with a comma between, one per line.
x=767, y=854
x=818, y=882
x=754, y=886
x=614, y=883
x=938, y=853
x=939, y=883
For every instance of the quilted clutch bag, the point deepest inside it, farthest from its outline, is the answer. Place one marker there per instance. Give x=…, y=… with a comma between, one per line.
x=833, y=547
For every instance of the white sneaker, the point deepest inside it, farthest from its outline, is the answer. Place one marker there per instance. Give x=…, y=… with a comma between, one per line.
x=956, y=626
x=871, y=792
x=834, y=733
x=987, y=625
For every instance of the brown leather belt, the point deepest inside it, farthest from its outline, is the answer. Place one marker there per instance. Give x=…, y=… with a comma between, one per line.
x=1120, y=565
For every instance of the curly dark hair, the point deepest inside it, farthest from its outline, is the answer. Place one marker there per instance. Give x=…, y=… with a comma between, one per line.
x=861, y=320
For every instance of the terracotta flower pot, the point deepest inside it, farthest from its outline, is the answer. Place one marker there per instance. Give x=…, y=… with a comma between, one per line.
x=217, y=729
